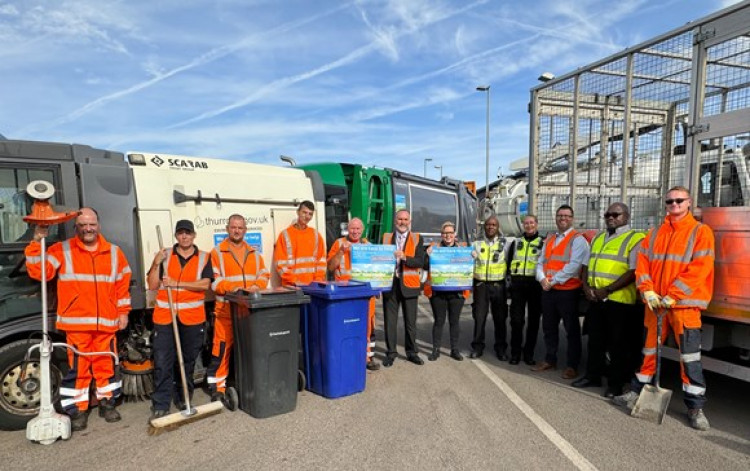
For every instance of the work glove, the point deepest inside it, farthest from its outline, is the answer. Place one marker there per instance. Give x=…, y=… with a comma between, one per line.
x=667, y=302
x=652, y=299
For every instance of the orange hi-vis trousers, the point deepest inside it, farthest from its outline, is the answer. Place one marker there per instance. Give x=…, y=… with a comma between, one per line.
x=686, y=325
x=218, y=368
x=74, y=390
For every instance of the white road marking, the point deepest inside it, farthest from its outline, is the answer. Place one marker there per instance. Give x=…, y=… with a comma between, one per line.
x=563, y=445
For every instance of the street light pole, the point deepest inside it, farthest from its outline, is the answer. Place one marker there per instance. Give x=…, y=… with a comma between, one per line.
x=425, y=167
x=486, y=88
x=440, y=167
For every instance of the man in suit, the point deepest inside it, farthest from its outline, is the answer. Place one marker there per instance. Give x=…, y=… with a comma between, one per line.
x=410, y=260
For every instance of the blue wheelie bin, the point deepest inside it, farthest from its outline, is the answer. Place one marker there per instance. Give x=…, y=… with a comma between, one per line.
x=334, y=337
x=266, y=349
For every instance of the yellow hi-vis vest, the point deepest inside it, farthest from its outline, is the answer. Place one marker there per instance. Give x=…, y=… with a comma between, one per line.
x=525, y=257
x=608, y=261
x=490, y=262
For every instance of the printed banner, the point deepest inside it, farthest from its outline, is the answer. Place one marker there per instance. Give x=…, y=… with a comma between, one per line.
x=253, y=239
x=451, y=268
x=374, y=264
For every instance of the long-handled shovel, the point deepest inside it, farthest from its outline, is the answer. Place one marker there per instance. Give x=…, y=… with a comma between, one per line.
x=190, y=414
x=654, y=400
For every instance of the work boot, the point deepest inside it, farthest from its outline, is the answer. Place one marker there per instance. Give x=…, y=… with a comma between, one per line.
x=434, y=355
x=456, y=355
x=626, y=400
x=373, y=365
x=158, y=413
x=79, y=420
x=698, y=419
x=215, y=396
x=108, y=411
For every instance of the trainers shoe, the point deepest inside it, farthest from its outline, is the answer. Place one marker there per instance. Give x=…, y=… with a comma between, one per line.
x=626, y=400
x=157, y=413
x=79, y=420
x=698, y=419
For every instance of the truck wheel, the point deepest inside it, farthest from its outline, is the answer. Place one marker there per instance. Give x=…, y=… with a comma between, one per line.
x=301, y=380
x=20, y=403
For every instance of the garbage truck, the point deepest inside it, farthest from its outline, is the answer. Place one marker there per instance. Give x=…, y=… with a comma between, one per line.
x=134, y=193
x=674, y=110
x=375, y=194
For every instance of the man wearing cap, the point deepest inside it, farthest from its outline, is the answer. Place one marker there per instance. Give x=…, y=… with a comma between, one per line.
x=188, y=276
x=300, y=252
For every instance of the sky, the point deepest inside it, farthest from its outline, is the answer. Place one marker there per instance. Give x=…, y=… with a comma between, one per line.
x=386, y=83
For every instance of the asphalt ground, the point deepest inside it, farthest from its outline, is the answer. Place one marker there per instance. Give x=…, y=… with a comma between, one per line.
x=474, y=414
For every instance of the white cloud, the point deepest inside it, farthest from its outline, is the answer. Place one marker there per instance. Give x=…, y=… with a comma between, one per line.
x=8, y=10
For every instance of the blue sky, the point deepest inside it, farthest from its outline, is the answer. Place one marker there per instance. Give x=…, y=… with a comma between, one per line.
x=386, y=83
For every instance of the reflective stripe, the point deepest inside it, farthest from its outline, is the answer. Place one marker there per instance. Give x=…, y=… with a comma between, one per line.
x=53, y=260
x=703, y=253
x=216, y=379
x=86, y=278
x=123, y=302
x=72, y=392
x=288, y=242
x=69, y=402
x=692, y=303
x=87, y=321
x=685, y=288
x=201, y=264
x=644, y=378
x=30, y=259
x=240, y=278
x=608, y=276
x=165, y=304
x=110, y=387
x=648, y=351
x=690, y=357
x=370, y=354
x=643, y=278
x=220, y=299
x=304, y=270
x=695, y=390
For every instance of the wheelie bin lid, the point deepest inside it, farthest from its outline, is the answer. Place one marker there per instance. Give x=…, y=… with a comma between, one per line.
x=339, y=289
x=276, y=297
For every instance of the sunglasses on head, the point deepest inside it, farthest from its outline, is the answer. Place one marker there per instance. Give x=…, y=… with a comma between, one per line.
x=612, y=215
x=675, y=200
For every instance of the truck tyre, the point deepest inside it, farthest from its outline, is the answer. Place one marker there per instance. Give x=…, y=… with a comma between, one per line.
x=16, y=406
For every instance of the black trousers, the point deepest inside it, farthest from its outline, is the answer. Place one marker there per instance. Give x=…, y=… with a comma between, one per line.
x=445, y=303
x=391, y=302
x=616, y=329
x=167, y=382
x=561, y=305
x=525, y=291
x=489, y=295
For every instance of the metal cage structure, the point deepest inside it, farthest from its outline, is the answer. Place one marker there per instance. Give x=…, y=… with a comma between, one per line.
x=674, y=110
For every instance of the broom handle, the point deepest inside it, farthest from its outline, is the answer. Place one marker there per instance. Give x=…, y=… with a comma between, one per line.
x=175, y=329
x=659, y=320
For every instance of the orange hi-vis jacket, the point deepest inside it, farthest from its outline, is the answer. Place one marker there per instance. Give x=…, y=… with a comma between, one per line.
x=300, y=256
x=556, y=257
x=187, y=303
x=230, y=273
x=344, y=271
x=411, y=277
x=428, y=283
x=677, y=260
x=93, y=288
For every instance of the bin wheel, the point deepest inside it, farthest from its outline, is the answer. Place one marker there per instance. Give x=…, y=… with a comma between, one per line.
x=301, y=380
x=231, y=399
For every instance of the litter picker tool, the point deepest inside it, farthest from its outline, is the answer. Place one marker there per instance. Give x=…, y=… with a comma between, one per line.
x=190, y=414
x=654, y=400
x=49, y=425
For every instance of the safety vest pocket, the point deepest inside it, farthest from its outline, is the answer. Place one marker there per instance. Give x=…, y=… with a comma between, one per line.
x=70, y=305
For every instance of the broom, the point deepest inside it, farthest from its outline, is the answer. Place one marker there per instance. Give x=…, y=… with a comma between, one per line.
x=190, y=414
